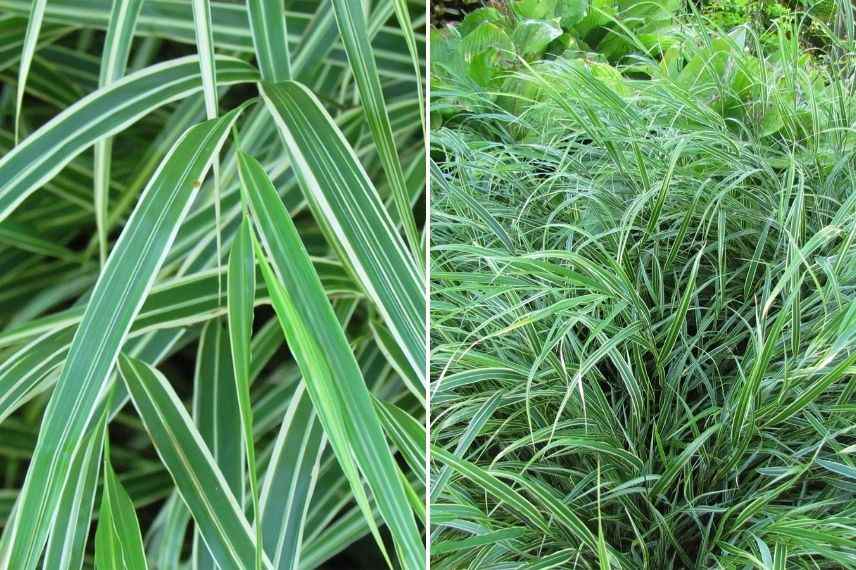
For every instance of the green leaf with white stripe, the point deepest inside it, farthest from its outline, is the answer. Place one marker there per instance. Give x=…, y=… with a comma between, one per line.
x=22, y=237
x=402, y=14
x=105, y=112
x=201, y=484
x=331, y=373
x=118, y=542
x=114, y=59
x=407, y=434
x=68, y=536
x=491, y=484
x=202, y=26
x=70, y=528
x=34, y=25
x=118, y=295
x=348, y=208
x=270, y=39
x=205, y=48
x=355, y=37
x=290, y=481
x=215, y=400
x=241, y=297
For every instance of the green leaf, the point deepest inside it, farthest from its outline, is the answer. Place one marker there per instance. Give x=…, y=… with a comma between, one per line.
x=118, y=542
x=70, y=529
x=355, y=36
x=174, y=20
x=331, y=373
x=207, y=59
x=202, y=26
x=571, y=12
x=34, y=25
x=185, y=300
x=681, y=460
x=215, y=401
x=20, y=236
x=98, y=115
x=114, y=58
x=118, y=295
x=290, y=481
x=270, y=39
x=531, y=37
x=347, y=206
x=491, y=484
x=407, y=434
x=486, y=37
x=814, y=390
x=402, y=13
x=240, y=294
x=488, y=538
x=534, y=8
x=197, y=478
x=679, y=316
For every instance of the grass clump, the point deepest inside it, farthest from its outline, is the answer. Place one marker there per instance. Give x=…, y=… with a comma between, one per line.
x=644, y=310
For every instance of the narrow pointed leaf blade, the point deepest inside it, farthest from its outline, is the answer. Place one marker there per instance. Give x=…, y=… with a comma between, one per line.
x=116, y=300
x=355, y=37
x=215, y=401
x=290, y=481
x=34, y=26
x=330, y=370
x=100, y=114
x=114, y=58
x=348, y=208
x=240, y=299
x=67, y=543
x=270, y=39
x=207, y=62
x=191, y=465
x=118, y=542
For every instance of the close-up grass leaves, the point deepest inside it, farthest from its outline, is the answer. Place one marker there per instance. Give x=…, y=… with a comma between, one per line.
x=643, y=286
x=212, y=310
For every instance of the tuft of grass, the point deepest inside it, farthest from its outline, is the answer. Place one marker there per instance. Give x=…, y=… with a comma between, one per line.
x=212, y=323
x=644, y=310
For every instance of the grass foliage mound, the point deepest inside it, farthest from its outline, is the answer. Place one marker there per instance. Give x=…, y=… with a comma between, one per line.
x=644, y=308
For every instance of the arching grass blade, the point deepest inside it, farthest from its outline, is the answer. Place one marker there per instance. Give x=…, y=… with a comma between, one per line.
x=114, y=58
x=115, y=301
x=270, y=39
x=347, y=206
x=241, y=298
x=329, y=368
x=197, y=478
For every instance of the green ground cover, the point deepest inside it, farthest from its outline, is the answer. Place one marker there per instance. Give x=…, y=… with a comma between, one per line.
x=643, y=289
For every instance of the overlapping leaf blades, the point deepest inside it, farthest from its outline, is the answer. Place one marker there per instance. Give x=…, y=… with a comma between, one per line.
x=166, y=299
x=643, y=312
x=116, y=299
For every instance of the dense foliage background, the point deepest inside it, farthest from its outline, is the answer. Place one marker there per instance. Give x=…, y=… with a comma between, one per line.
x=205, y=359
x=644, y=286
